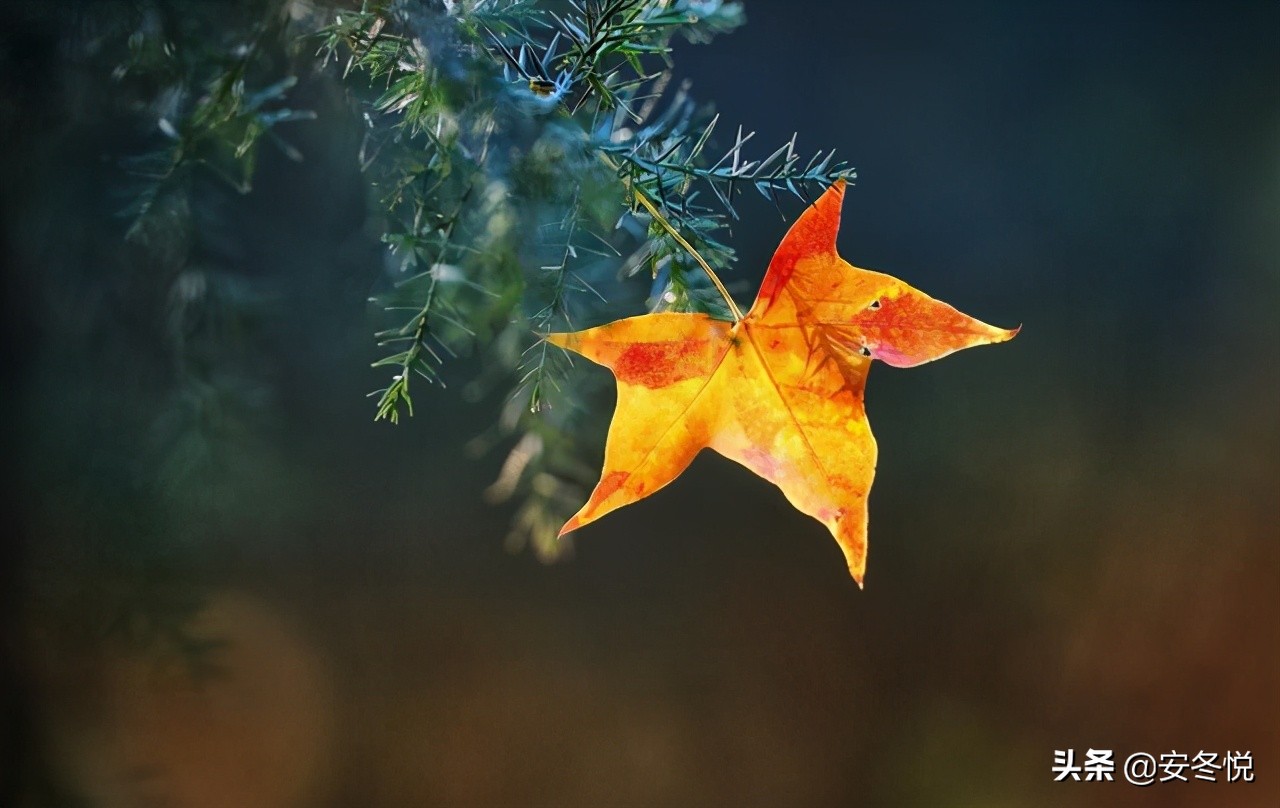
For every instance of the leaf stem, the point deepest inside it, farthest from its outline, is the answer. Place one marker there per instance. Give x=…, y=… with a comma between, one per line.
x=644, y=200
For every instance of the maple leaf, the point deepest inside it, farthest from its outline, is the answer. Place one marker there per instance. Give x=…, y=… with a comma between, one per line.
x=780, y=391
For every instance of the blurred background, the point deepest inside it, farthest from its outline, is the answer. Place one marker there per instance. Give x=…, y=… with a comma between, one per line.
x=1074, y=537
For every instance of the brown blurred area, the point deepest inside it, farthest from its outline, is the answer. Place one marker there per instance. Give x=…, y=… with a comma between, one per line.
x=1074, y=536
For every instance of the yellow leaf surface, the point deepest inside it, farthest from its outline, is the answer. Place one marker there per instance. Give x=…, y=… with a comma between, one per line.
x=780, y=391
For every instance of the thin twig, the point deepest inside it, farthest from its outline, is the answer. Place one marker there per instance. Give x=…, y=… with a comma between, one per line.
x=702, y=262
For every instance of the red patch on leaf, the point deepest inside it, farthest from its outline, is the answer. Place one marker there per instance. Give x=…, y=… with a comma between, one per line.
x=610, y=483
x=658, y=364
x=814, y=233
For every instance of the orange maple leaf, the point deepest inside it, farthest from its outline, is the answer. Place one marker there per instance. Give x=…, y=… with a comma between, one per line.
x=780, y=391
